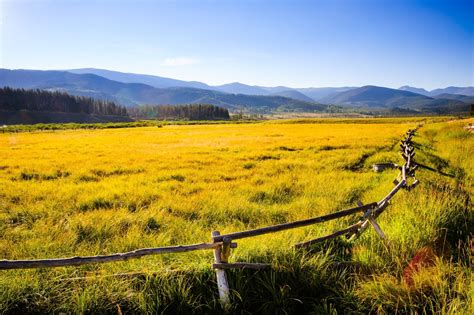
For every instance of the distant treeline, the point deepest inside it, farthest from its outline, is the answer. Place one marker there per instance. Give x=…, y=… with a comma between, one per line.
x=46, y=101
x=180, y=112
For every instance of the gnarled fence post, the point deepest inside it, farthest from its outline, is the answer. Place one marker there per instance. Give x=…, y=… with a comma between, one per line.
x=222, y=284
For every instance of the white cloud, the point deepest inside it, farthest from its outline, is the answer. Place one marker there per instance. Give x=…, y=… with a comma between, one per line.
x=179, y=61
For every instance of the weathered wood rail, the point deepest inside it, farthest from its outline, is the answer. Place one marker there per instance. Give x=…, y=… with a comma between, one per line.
x=76, y=261
x=295, y=224
x=222, y=244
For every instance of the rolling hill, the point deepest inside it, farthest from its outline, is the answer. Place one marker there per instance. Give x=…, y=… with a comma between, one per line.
x=318, y=94
x=415, y=90
x=152, y=80
x=375, y=96
x=294, y=95
x=239, y=88
x=459, y=97
x=468, y=90
x=380, y=97
x=453, y=90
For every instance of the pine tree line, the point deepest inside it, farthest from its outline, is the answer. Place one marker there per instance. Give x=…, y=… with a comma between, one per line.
x=47, y=101
x=180, y=112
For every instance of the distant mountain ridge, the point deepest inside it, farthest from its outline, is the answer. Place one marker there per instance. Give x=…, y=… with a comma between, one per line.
x=236, y=96
x=464, y=98
x=138, y=93
x=415, y=90
x=294, y=94
x=467, y=91
x=152, y=80
x=240, y=88
x=318, y=94
x=314, y=94
x=381, y=97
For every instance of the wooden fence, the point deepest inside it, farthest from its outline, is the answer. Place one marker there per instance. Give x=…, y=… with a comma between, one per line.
x=222, y=244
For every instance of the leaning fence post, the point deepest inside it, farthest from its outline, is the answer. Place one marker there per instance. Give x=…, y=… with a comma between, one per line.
x=377, y=228
x=222, y=285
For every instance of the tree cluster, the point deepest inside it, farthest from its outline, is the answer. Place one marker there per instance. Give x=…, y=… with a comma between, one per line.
x=47, y=101
x=180, y=112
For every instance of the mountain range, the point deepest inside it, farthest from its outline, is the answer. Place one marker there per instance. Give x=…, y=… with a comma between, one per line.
x=381, y=97
x=130, y=94
x=132, y=89
x=307, y=94
x=468, y=91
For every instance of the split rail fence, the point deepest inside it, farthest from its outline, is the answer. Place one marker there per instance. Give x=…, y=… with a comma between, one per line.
x=222, y=244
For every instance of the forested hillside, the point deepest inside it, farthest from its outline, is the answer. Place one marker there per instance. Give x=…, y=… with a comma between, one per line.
x=45, y=101
x=189, y=112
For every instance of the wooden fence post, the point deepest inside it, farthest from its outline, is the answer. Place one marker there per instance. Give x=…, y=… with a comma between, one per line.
x=222, y=285
x=225, y=253
x=377, y=228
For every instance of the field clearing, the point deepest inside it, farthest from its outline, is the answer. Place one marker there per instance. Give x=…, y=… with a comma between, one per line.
x=89, y=192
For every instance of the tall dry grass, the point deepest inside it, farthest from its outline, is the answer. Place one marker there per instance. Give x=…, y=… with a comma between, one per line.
x=87, y=192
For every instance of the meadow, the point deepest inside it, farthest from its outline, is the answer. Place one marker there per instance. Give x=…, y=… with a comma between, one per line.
x=87, y=192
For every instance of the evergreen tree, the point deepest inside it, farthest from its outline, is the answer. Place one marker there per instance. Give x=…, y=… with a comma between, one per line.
x=180, y=112
x=47, y=101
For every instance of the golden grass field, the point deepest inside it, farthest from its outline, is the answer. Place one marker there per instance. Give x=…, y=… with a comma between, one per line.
x=88, y=192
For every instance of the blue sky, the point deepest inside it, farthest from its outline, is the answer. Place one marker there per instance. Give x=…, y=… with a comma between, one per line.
x=390, y=43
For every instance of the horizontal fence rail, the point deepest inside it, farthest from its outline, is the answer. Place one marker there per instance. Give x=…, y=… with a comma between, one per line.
x=295, y=224
x=222, y=244
x=76, y=261
x=352, y=228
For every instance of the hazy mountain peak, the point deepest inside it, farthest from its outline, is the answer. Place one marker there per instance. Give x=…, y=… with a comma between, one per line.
x=152, y=80
x=294, y=95
x=467, y=90
x=240, y=88
x=414, y=90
